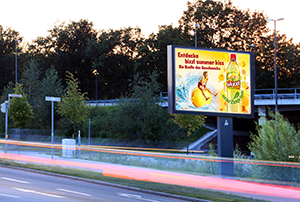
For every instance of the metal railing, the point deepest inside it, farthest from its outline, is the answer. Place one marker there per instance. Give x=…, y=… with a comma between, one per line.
x=103, y=102
x=282, y=93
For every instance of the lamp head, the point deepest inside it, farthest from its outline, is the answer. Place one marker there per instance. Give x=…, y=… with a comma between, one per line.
x=269, y=19
x=95, y=72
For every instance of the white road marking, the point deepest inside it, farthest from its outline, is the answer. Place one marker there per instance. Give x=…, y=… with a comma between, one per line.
x=36, y=192
x=136, y=197
x=14, y=180
x=11, y=196
x=74, y=192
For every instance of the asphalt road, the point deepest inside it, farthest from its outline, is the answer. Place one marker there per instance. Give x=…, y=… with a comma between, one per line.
x=255, y=190
x=19, y=185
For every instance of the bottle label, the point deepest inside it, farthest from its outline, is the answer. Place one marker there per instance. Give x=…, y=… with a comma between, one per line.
x=233, y=80
x=236, y=99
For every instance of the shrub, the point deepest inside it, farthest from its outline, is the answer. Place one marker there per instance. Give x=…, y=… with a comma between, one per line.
x=277, y=140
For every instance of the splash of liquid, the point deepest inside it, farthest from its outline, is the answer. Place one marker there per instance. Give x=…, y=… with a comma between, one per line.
x=184, y=92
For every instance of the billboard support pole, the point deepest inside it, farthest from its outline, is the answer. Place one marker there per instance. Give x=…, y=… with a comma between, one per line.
x=225, y=146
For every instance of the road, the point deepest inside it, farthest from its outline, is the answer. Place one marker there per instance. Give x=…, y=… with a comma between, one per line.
x=19, y=185
x=278, y=193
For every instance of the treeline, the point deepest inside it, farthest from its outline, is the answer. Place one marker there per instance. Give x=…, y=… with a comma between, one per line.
x=117, y=55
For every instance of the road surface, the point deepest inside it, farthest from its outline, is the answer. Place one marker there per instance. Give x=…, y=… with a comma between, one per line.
x=19, y=185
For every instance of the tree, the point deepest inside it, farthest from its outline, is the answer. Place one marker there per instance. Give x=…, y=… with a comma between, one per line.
x=287, y=62
x=7, y=54
x=190, y=122
x=31, y=81
x=72, y=105
x=49, y=85
x=276, y=140
x=139, y=116
x=222, y=25
x=20, y=110
x=113, y=54
x=8, y=89
x=65, y=48
x=152, y=54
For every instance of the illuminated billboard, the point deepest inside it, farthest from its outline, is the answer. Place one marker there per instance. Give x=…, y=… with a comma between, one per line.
x=210, y=82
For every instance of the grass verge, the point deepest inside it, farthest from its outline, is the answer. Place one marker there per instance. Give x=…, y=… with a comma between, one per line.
x=171, y=189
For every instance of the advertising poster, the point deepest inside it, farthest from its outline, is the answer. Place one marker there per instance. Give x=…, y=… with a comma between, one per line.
x=212, y=81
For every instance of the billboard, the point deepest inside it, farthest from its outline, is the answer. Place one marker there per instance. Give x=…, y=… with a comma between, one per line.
x=210, y=82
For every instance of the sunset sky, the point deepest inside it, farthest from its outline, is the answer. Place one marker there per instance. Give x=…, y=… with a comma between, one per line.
x=32, y=18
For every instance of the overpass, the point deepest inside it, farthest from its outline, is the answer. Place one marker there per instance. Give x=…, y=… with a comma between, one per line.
x=288, y=98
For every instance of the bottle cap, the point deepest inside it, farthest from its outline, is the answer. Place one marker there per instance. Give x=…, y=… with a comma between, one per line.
x=232, y=57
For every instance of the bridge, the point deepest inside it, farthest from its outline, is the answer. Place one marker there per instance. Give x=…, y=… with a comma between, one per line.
x=285, y=96
x=262, y=97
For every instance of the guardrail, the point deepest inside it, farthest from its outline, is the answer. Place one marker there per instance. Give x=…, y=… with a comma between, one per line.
x=282, y=93
x=163, y=96
x=103, y=102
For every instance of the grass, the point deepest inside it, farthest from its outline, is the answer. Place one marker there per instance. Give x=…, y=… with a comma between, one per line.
x=171, y=189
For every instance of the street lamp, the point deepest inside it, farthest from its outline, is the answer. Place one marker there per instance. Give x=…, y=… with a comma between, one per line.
x=16, y=60
x=276, y=102
x=253, y=50
x=95, y=72
x=196, y=33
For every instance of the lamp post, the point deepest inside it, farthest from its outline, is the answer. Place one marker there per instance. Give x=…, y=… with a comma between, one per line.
x=16, y=60
x=196, y=33
x=275, y=73
x=253, y=50
x=95, y=72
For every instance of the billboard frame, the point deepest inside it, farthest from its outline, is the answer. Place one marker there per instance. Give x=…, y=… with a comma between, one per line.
x=172, y=88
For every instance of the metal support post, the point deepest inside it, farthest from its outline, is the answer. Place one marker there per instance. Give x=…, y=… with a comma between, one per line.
x=225, y=146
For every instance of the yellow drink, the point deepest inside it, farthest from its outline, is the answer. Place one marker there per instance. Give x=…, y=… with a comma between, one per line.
x=233, y=85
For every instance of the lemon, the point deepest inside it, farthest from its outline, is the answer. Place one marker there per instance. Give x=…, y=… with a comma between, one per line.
x=198, y=99
x=242, y=64
x=245, y=101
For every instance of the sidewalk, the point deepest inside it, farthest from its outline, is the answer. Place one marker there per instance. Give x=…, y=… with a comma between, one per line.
x=243, y=188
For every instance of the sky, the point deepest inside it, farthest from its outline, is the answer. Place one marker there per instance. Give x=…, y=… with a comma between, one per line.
x=33, y=18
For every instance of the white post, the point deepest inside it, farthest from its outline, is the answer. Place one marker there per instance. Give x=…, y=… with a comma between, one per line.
x=79, y=143
x=52, y=99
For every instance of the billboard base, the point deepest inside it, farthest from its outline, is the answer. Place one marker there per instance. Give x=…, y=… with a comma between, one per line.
x=225, y=146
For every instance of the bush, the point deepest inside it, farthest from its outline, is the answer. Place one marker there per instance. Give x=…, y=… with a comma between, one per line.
x=277, y=140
